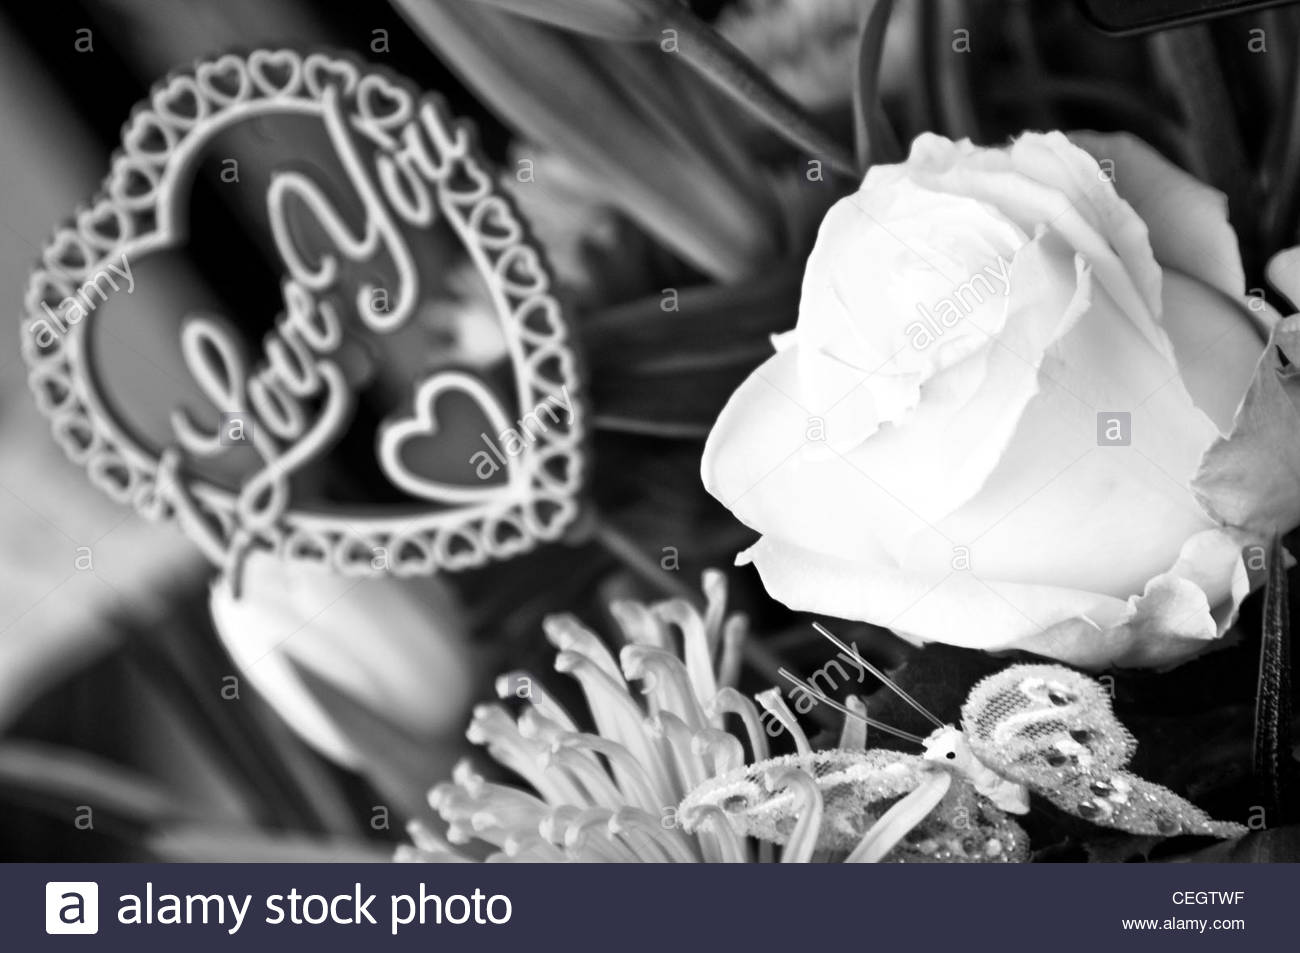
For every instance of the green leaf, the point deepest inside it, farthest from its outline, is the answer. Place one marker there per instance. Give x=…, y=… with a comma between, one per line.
x=672, y=24
x=183, y=662
x=58, y=779
x=666, y=364
x=715, y=58
x=1192, y=67
x=628, y=20
x=574, y=96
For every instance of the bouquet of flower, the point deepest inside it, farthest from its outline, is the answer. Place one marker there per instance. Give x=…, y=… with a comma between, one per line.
x=951, y=344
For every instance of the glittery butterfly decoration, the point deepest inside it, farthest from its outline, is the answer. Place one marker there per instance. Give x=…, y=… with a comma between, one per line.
x=357, y=443
x=1044, y=729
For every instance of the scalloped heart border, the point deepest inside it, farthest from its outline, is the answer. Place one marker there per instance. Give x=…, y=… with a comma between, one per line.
x=131, y=215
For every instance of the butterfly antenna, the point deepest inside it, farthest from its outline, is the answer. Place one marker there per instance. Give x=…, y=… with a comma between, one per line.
x=848, y=712
x=884, y=679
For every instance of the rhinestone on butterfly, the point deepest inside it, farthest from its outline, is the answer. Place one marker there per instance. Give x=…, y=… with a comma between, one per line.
x=1040, y=728
x=1052, y=730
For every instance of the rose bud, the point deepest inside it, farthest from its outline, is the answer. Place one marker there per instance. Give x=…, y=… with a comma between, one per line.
x=398, y=646
x=1007, y=417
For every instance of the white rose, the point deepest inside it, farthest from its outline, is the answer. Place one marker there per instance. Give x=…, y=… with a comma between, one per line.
x=939, y=445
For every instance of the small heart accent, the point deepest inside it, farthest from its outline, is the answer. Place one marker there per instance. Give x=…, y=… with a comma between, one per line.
x=322, y=72
x=276, y=73
x=396, y=435
x=104, y=225
x=69, y=254
x=412, y=556
x=355, y=558
x=52, y=388
x=224, y=81
x=495, y=225
x=179, y=103
x=521, y=272
x=305, y=546
x=132, y=185
x=148, y=138
x=382, y=103
x=539, y=320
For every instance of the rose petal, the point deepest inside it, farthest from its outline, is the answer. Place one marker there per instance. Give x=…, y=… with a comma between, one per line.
x=760, y=464
x=991, y=177
x=1179, y=615
x=1284, y=274
x=945, y=450
x=1169, y=623
x=957, y=607
x=1061, y=509
x=1186, y=219
x=1052, y=159
x=880, y=250
x=1251, y=478
x=793, y=463
x=1216, y=343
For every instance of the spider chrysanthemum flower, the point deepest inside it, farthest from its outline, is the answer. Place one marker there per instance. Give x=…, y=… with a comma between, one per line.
x=608, y=794
x=667, y=719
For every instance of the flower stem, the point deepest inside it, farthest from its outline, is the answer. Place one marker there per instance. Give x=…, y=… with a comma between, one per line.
x=625, y=549
x=718, y=61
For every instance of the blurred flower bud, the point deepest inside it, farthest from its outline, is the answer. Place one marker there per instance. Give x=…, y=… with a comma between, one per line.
x=397, y=646
x=625, y=20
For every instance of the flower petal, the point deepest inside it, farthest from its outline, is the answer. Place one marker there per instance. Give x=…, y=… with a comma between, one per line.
x=1217, y=344
x=1054, y=160
x=1179, y=615
x=1186, y=219
x=1057, y=476
x=991, y=176
x=774, y=458
x=958, y=608
x=1284, y=274
x=1251, y=478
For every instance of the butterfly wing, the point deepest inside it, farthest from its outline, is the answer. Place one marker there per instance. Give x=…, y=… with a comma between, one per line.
x=857, y=789
x=1130, y=803
x=1053, y=730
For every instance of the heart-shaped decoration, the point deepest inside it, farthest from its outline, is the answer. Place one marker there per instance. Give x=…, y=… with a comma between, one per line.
x=257, y=446
x=223, y=80
x=382, y=103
